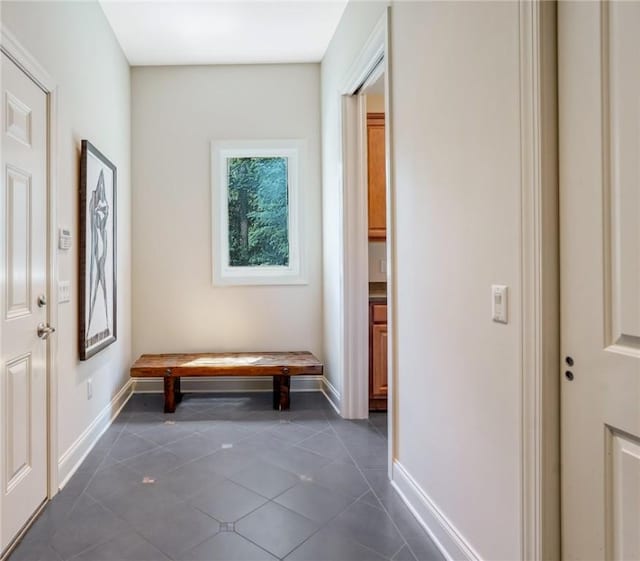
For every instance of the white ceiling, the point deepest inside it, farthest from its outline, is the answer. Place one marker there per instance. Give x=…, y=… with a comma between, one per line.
x=157, y=32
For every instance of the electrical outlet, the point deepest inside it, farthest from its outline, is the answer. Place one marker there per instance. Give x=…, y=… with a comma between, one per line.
x=89, y=388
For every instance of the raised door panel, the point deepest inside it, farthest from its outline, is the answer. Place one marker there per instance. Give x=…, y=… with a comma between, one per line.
x=379, y=313
x=18, y=246
x=625, y=497
x=622, y=182
x=379, y=360
x=17, y=421
x=377, y=184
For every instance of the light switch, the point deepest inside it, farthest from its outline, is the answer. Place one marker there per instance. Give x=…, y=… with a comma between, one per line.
x=499, y=303
x=64, y=292
x=383, y=265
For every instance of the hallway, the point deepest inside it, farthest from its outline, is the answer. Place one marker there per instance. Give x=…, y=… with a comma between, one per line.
x=227, y=478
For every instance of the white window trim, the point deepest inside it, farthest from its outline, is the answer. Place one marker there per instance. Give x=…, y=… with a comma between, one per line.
x=223, y=273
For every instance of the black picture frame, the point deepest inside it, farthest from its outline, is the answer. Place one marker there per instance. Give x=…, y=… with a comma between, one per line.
x=98, y=255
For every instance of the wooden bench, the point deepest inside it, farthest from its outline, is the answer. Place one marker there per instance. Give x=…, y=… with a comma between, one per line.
x=172, y=367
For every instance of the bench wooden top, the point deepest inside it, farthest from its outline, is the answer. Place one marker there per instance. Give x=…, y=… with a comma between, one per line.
x=227, y=364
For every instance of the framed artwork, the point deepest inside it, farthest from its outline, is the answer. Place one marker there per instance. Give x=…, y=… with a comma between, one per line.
x=97, y=235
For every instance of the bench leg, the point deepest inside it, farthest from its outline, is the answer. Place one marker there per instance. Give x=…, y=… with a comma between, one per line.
x=281, y=385
x=177, y=390
x=172, y=394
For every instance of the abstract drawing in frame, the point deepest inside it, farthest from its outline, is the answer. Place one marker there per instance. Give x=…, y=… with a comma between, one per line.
x=97, y=251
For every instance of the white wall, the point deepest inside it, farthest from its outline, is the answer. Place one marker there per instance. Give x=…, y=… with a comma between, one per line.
x=456, y=173
x=377, y=255
x=457, y=183
x=75, y=45
x=375, y=102
x=357, y=22
x=177, y=111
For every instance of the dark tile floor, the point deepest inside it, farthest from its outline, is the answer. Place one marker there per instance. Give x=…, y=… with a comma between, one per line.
x=227, y=478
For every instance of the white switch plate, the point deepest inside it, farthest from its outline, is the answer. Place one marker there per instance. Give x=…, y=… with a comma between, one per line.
x=499, y=303
x=383, y=265
x=64, y=292
x=89, y=388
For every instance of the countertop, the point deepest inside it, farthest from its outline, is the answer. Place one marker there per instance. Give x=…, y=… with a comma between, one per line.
x=378, y=292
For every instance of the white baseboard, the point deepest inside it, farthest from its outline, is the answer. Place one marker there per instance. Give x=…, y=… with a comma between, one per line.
x=70, y=461
x=229, y=384
x=443, y=533
x=331, y=393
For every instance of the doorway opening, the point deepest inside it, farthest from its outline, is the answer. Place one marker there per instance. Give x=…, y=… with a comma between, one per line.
x=368, y=336
x=375, y=153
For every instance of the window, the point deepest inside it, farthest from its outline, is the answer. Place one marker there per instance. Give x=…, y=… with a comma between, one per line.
x=257, y=232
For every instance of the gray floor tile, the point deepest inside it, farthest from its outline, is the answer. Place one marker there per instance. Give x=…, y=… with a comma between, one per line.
x=266, y=479
x=311, y=419
x=128, y=546
x=50, y=520
x=276, y=529
x=88, y=524
x=378, y=479
x=424, y=549
x=76, y=485
x=139, y=422
x=34, y=552
x=166, y=432
x=129, y=445
x=228, y=461
x=257, y=425
x=227, y=433
x=370, y=527
x=112, y=480
x=298, y=461
x=140, y=503
x=291, y=433
x=108, y=439
x=145, y=402
x=154, y=463
x=330, y=545
x=371, y=499
x=189, y=480
x=314, y=502
x=404, y=555
x=326, y=444
x=227, y=546
x=192, y=446
x=92, y=461
x=227, y=501
x=176, y=529
x=341, y=477
x=265, y=444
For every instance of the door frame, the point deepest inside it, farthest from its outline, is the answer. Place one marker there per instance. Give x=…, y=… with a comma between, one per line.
x=373, y=60
x=540, y=282
x=11, y=47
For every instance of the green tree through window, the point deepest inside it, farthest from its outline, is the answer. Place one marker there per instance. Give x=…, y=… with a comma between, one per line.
x=258, y=204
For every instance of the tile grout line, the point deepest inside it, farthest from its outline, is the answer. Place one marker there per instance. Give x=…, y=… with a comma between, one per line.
x=384, y=508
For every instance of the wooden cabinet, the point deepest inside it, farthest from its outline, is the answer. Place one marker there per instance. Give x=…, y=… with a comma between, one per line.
x=377, y=356
x=376, y=174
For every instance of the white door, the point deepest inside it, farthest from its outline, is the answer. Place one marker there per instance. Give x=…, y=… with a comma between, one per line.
x=23, y=277
x=599, y=116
